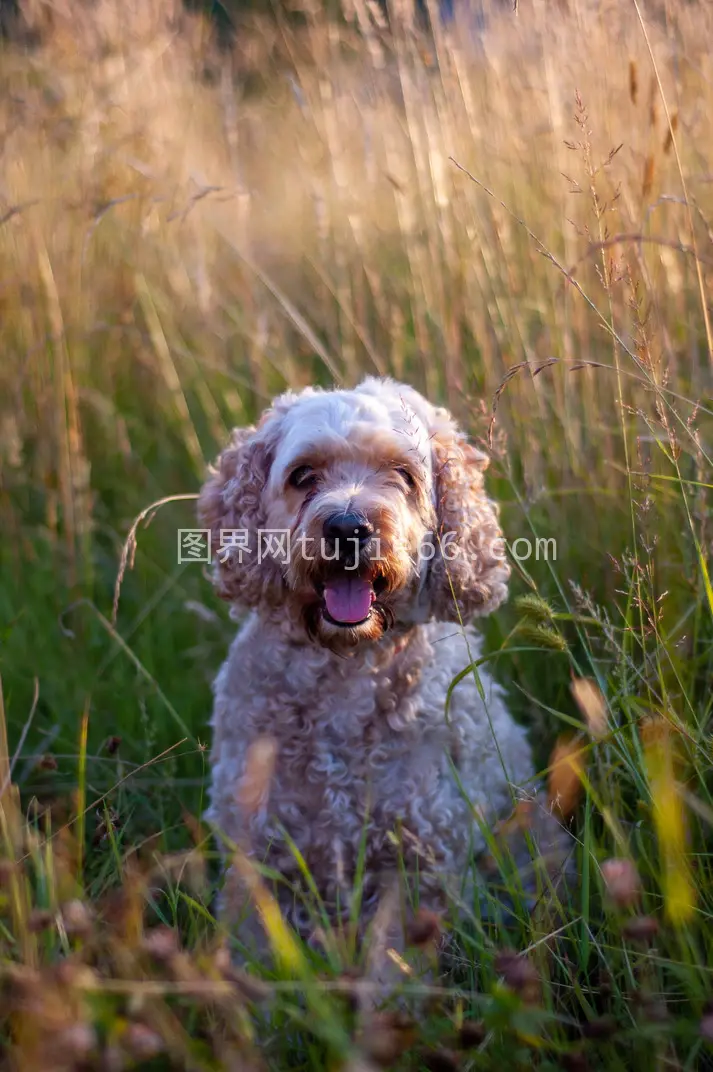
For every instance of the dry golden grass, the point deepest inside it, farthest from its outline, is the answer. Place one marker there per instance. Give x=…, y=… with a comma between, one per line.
x=174, y=227
x=520, y=224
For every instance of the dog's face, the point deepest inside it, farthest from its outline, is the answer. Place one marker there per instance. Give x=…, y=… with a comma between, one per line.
x=351, y=481
x=350, y=511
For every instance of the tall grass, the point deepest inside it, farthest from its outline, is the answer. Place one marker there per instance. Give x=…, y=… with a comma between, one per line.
x=518, y=222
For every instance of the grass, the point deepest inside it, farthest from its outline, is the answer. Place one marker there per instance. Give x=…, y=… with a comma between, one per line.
x=520, y=226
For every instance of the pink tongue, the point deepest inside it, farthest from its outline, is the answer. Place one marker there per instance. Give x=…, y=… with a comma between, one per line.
x=348, y=599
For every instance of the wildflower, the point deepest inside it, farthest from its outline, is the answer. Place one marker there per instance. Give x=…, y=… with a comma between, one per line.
x=75, y=1042
x=622, y=882
x=77, y=918
x=161, y=943
x=706, y=1025
x=141, y=1042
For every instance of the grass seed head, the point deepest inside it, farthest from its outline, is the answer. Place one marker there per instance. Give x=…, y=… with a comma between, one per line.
x=254, y=788
x=592, y=705
x=564, y=783
x=542, y=636
x=534, y=608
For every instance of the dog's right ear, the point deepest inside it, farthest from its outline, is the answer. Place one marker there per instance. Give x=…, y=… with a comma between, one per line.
x=231, y=506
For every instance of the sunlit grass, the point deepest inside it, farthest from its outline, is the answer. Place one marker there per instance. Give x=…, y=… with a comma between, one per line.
x=520, y=225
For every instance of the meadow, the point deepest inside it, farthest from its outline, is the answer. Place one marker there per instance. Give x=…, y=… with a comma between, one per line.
x=516, y=219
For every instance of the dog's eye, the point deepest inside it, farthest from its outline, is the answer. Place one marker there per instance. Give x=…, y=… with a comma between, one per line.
x=407, y=476
x=302, y=477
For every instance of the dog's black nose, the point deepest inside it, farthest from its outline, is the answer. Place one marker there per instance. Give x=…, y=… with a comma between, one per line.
x=345, y=527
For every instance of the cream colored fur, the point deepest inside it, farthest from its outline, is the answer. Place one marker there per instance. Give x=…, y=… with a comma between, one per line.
x=357, y=715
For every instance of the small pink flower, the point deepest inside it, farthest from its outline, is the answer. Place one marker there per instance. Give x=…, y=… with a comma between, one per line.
x=622, y=882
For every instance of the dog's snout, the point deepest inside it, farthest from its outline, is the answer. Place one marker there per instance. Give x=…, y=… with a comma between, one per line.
x=345, y=527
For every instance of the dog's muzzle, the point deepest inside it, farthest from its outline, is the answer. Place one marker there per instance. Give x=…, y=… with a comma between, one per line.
x=348, y=588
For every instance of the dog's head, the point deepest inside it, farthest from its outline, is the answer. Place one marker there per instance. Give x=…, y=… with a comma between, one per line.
x=348, y=511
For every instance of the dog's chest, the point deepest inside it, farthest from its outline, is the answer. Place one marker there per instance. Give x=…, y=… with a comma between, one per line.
x=351, y=747
x=360, y=751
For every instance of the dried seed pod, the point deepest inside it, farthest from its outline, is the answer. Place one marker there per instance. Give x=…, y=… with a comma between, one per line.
x=472, y=1034
x=39, y=920
x=424, y=929
x=386, y=1036
x=670, y=133
x=653, y=1008
x=601, y=1028
x=520, y=975
x=440, y=1060
x=8, y=868
x=641, y=928
x=574, y=1062
x=705, y=1028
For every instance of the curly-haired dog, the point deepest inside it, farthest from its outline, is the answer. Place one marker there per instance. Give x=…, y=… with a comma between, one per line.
x=344, y=664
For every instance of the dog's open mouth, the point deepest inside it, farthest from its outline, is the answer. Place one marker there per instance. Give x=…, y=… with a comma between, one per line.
x=348, y=599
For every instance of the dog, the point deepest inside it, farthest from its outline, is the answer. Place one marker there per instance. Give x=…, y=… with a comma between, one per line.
x=339, y=684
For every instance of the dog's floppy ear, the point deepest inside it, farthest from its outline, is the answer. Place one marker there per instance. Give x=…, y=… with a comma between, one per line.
x=231, y=505
x=469, y=571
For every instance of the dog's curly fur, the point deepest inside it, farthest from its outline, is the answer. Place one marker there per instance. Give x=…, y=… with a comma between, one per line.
x=356, y=711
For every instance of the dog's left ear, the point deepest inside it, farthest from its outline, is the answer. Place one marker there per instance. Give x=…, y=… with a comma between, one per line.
x=469, y=572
